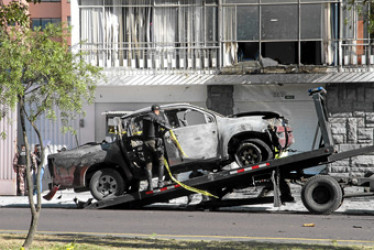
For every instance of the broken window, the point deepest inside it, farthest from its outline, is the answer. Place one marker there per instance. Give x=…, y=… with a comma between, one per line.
x=186, y=117
x=280, y=52
x=248, y=51
x=311, y=53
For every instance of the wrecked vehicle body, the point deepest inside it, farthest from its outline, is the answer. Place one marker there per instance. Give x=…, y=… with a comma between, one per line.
x=205, y=140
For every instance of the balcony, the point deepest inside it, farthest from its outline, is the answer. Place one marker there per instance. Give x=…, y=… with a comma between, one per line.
x=125, y=59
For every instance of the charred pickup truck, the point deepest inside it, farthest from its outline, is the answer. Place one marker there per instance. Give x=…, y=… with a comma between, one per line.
x=209, y=140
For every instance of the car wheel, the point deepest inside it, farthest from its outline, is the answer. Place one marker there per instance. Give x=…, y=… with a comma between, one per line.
x=322, y=194
x=267, y=153
x=247, y=153
x=106, y=183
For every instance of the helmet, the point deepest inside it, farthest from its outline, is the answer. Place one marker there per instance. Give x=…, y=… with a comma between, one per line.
x=155, y=107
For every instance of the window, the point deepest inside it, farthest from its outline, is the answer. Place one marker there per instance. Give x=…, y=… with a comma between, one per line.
x=150, y=34
x=282, y=31
x=42, y=22
x=279, y=22
x=281, y=52
x=311, y=23
x=187, y=117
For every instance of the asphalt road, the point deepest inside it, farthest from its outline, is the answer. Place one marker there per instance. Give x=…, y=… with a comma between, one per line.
x=198, y=225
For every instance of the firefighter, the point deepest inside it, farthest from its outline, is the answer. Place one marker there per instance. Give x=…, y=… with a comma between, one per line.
x=153, y=123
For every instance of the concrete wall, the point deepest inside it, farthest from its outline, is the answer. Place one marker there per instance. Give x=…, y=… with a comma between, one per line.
x=351, y=108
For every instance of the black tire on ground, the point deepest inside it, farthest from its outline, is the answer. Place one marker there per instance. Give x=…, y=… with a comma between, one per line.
x=247, y=153
x=105, y=183
x=322, y=194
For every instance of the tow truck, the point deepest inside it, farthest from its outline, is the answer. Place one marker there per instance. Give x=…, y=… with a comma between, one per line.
x=321, y=193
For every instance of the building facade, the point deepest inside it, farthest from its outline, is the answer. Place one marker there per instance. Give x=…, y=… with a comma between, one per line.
x=233, y=56
x=49, y=11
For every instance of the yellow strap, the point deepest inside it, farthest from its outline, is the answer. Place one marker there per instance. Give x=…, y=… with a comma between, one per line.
x=192, y=189
x=174, y=138
x=280, y=154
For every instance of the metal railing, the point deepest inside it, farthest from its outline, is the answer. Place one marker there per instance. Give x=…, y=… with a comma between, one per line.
x=152, y=58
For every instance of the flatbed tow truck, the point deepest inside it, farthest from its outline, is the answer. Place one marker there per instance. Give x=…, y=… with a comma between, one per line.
x=321, y=194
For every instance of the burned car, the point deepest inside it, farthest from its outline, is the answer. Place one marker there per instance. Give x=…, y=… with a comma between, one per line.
x=208, y=140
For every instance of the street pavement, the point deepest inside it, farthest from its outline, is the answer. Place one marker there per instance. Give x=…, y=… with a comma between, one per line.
x=67, y=199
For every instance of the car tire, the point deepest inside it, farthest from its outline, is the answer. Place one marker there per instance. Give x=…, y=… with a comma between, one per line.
x=247, y=153
x=106, y=183
x=267, y=153
x=322, y=194
x=253, y=144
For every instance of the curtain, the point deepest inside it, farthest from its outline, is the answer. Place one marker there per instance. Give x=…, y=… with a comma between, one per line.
x=148, y=36
x=230, y=49
x=92, y=34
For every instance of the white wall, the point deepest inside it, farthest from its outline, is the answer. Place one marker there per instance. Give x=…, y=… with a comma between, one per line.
x=150, y=94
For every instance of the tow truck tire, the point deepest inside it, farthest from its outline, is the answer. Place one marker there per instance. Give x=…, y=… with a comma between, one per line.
x=105, y=183
x=322, y=194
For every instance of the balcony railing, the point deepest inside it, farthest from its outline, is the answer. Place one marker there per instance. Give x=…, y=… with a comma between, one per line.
x=165, y=59
x=356, y=52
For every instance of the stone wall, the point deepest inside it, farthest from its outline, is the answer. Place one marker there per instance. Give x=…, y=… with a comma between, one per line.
x=351, y=108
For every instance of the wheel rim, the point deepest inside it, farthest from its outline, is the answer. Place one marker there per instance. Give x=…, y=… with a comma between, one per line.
x=321, y=195
x=249, y=155
x=107, y=185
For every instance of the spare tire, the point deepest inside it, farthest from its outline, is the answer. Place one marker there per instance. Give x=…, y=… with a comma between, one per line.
x=322, y=194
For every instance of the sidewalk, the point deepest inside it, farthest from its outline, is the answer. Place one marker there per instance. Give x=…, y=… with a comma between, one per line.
x=65, y=199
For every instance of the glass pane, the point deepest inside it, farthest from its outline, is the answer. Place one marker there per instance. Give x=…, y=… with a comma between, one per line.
x=211, y=24
x=90, y=2
x=311, y=17
x=247, y=23
x=240, y=1
x=164, y=25
x=36, y=22
x=229, y=23
x=279, y=22
x=279, y=1
x=349, y=23
x=163, y=2
x=211, y=1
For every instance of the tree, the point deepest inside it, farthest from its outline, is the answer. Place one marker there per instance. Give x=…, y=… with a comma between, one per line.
x=39, y=72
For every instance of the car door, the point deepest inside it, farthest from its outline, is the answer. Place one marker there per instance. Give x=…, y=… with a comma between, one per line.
x=197, y=136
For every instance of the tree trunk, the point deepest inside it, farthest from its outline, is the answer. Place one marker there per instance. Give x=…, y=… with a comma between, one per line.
x=32, y=230
x=34, y=212
x=38, y=193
